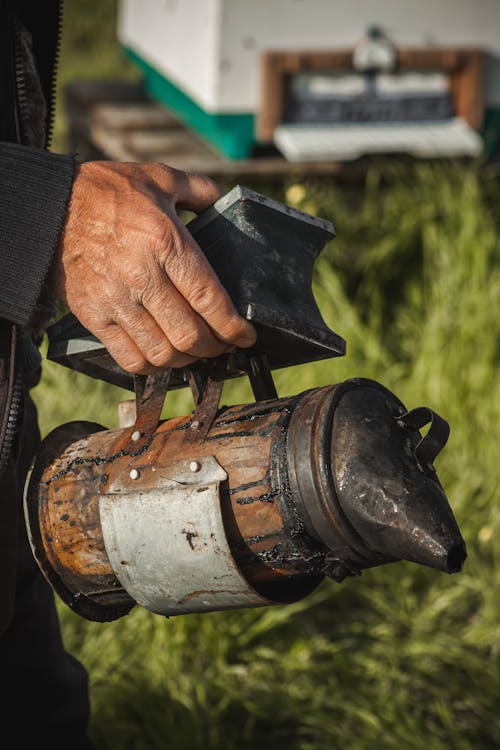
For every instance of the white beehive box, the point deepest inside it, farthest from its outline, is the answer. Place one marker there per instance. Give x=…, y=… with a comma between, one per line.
x=202, y=58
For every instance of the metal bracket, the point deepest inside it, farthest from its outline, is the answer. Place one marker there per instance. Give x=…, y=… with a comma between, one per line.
x=261, y=378
x=206, y=379
x=150, y=391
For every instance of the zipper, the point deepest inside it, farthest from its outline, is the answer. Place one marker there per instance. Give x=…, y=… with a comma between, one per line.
x=21, y=97
x=51, y=105
x=15, y=408
x=14, y=131
x=12, y=415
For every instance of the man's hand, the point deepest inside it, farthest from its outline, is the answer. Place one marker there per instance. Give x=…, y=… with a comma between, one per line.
x=133, y=275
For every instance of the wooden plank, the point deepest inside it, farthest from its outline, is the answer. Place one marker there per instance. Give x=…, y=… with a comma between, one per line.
x=119, y=122
x=188, y=160
x=132, y=116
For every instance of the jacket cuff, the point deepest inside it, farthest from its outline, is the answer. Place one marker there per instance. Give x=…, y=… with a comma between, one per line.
x=35, y=188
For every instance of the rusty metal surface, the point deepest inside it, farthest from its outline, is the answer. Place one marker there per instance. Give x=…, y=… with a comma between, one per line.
x=150, y=396
x=240, y=437
x=206, y=379
x=64, y=527
x=322, y=483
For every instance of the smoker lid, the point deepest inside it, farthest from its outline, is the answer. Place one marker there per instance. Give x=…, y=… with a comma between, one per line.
x=384, y=481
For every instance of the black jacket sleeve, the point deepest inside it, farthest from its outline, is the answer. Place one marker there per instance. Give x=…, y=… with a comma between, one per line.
x=35, y=188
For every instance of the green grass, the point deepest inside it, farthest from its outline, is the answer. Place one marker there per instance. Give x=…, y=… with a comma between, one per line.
x=404, y=657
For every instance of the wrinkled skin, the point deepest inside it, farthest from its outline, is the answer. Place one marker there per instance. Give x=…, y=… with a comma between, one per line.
x=133, y=275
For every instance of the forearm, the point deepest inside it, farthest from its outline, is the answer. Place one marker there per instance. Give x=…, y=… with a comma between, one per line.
x=35, y=188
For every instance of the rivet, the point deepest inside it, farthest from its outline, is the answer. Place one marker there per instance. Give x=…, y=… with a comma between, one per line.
x=195, y=466
x=134, y=474
x=135, y=436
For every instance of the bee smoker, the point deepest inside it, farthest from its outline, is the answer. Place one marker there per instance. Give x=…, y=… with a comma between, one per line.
x=247, y=505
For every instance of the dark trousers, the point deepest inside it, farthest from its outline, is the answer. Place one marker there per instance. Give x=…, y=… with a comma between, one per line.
x=44, y=690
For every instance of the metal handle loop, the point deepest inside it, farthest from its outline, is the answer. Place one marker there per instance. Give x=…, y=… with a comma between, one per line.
x=436, y=438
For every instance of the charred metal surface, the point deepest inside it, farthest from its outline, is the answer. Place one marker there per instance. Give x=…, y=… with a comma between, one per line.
x=270, y=496
x=81, y=461
x=298, y=549
x=393, y=499
x=360, y=488
x=247, y=486
x=263, y=252
x=267, y=497
x=78, y=472
x=246, y=413
x=311, y=482
x=323, y=483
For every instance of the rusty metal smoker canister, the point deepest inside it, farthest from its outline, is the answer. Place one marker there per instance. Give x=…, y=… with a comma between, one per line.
x=239, y=506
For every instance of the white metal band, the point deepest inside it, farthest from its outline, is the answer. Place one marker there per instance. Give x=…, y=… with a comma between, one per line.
x=166, y=542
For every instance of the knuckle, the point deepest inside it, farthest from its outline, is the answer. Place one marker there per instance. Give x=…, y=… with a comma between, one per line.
x=156, y=225
x=163, y=170
x=181, y=360
x=161, y=355
x=136, y=276
x=141, y=283
x=156, y=170
x=208, y=183
x=134, y=364
x=204, y=298
x=167, y=178
x=188, y=340
x=124, y=354
x=212, y=185
x=231, y=328
x=153, y=294
x=169, y=244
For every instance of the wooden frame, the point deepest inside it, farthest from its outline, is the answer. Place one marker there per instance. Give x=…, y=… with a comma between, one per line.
x=464, y=67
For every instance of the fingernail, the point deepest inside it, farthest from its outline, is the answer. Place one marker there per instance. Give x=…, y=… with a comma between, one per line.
x=249, y=337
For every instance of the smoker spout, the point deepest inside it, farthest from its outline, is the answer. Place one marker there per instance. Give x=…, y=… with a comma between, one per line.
x=362, y=477
x=397, y=506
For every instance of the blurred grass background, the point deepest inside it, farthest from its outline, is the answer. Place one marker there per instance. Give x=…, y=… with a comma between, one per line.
x=404, y=657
